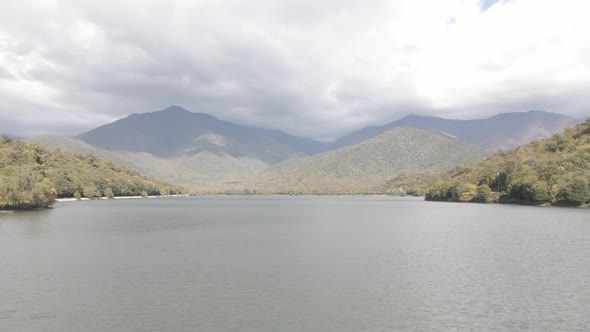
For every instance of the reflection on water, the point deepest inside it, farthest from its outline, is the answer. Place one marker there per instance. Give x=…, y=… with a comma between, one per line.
x=30, y=223
x=294, y=263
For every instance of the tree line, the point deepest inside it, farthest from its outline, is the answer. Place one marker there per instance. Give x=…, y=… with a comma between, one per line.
x=32, y=176
x=553, y=171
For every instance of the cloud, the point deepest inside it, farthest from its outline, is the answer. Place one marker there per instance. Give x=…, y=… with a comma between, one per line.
x=312, y=68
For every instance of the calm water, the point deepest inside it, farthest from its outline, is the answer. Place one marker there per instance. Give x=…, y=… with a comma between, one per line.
x=294, y=264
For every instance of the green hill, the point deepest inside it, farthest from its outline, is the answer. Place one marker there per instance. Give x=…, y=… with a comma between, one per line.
x=363, y=168
x=551, y=171
x=32, y=176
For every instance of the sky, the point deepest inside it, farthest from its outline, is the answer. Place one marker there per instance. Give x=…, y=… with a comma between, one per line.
x=318, y=69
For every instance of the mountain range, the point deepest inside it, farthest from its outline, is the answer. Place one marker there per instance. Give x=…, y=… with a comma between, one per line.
x=175, y=132
x=502, y=131
x=207, y=154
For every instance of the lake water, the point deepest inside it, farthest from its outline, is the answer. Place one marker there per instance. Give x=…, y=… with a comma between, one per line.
x=294, y=264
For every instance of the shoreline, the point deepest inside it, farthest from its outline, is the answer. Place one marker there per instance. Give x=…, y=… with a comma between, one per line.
x=73, y=199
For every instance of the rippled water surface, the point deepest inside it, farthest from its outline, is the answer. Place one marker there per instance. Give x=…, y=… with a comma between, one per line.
x=294, y=264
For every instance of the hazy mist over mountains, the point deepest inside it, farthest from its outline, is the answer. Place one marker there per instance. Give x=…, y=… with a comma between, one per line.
x=207, y=154
x=502, y=131
x=176, y=131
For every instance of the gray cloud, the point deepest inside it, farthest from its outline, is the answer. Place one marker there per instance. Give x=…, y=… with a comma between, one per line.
x=312, y=68
x=5, y=74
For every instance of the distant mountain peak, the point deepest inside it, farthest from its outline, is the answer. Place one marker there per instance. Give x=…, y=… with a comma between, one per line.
x=176, y=109
x=501, y=131
x=413, y=116
x=175, y=132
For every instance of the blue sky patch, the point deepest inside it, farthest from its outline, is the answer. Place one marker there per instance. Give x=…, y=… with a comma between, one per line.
x=485, y=4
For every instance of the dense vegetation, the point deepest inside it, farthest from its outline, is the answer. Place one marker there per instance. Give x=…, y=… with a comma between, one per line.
x=359, y=169
x=210, y=156
x=364, y=167
x=411, y=184
x=551, y=171
x=32, y=176
x=202, y=173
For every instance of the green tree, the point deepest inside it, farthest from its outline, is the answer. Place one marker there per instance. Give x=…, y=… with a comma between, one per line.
x=484, y=194
x=541, y=192
x=164, y=191
x=573, y=191
x=109, y=193
x=42, y=194
x=90, y=191
x=467, y=192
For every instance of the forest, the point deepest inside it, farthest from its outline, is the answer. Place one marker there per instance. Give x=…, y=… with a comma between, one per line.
x=552, y=171
x=32, y=176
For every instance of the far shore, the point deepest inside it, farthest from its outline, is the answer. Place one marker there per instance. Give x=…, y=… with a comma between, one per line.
x=72, y=199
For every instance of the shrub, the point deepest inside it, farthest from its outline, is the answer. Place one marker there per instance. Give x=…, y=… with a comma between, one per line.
x=109, y=193
x=466, y=192
x=484, y=194
x=90, y=191
x=573, y=191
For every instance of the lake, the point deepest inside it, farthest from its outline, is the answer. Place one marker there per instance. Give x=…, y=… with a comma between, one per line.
x=294, y=264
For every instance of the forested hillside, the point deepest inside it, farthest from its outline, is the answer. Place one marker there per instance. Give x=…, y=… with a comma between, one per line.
x=412, y=183
x=551, y=171
x=364, y=167
x=205, y=172
x=32, y=176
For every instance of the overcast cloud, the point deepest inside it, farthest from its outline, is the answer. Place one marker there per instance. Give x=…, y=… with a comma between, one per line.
x=311, y=68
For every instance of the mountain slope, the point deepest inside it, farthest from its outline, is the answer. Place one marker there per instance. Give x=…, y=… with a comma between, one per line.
x=502, y=131
x=553, y=171
x=175, y=132
x=32, y=176
x=366, y=166
x=203, y=172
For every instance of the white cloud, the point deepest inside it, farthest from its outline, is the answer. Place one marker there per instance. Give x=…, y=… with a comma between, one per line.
x=314, y=68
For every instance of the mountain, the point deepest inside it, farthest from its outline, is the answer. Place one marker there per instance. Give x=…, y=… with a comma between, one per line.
x=176, y=132
x=550, y=171
x=208, y=155
x=502, y=131
x=203, y=172
x=364, y=167
x=32, y=176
